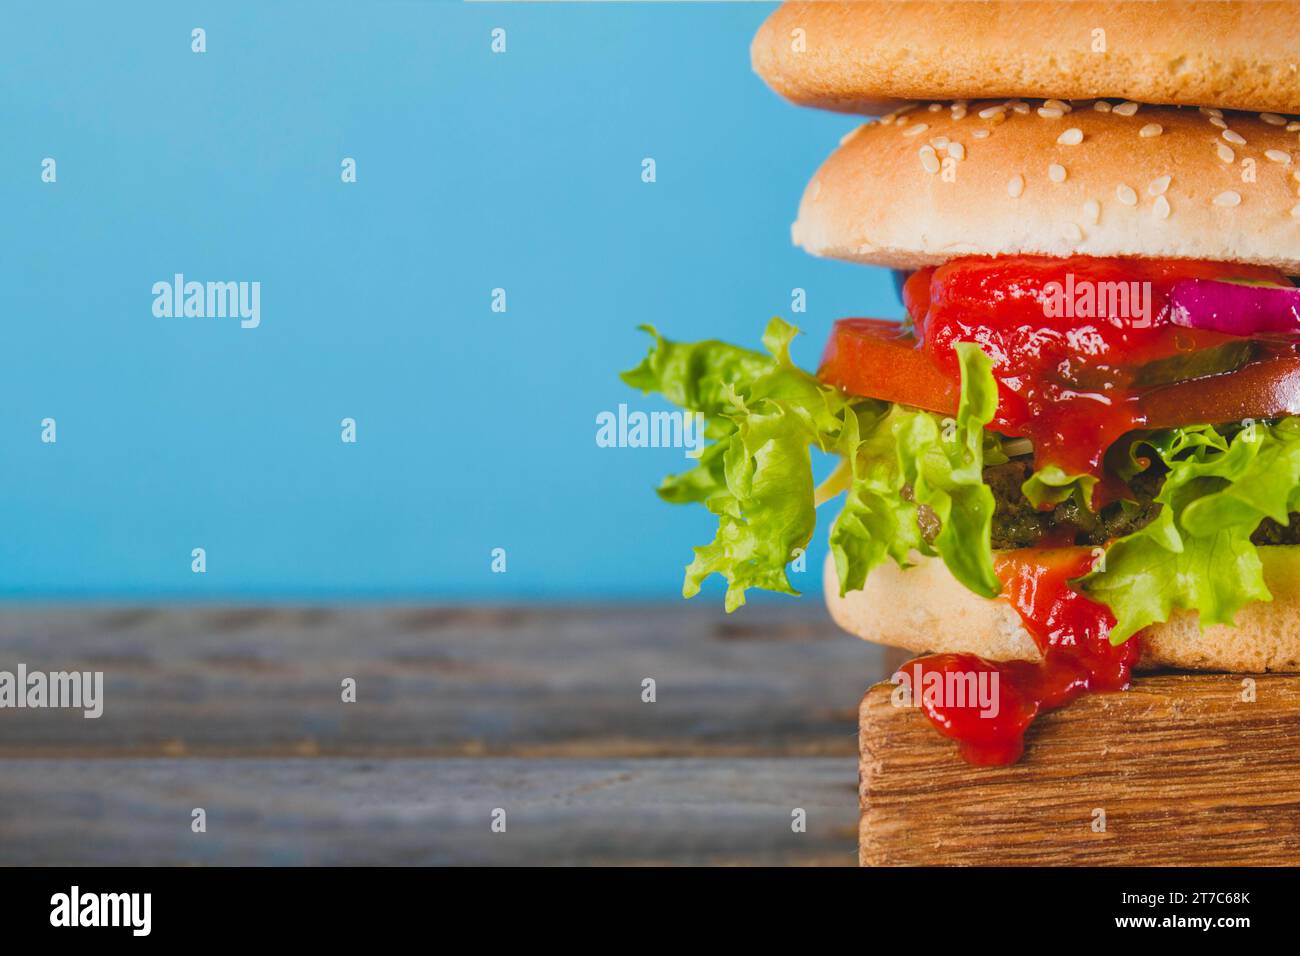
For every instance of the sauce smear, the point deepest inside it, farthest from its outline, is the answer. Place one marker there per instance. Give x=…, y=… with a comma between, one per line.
x=1075, y=343
x=986, y=706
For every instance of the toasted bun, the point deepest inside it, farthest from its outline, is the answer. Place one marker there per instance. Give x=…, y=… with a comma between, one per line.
x=924, y=609
x=921, y=188
x=854, y=56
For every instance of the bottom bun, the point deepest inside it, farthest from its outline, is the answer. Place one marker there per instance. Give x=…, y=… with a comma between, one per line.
x=924, y=609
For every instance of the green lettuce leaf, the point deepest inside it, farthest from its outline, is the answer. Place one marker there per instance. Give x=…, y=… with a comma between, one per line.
x=1051, y=485
x=1197, y=553
x=936, y=462
x=763, y=415
x=877, y=521
x=952, y=478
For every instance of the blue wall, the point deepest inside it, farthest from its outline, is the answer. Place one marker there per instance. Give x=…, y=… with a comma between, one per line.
x=475, y=429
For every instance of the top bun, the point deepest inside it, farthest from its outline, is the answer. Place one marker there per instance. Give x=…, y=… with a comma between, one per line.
x=938, y=181
x=854, y=56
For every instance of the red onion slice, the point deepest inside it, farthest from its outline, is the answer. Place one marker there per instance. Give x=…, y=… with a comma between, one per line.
x=1234, y=308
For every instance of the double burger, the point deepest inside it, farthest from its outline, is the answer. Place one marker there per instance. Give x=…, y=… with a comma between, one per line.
x=1078, y=453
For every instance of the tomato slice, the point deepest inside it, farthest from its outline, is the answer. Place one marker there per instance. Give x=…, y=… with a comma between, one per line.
x=876, y=358
x=1265, y=389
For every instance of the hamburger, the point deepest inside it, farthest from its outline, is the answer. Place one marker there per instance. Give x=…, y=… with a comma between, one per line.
x=1078, y=453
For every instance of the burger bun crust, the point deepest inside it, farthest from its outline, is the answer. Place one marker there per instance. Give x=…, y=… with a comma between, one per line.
x=986, y=179
x=864, y=55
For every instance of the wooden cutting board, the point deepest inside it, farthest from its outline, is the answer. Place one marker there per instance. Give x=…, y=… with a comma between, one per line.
x=1181, y=770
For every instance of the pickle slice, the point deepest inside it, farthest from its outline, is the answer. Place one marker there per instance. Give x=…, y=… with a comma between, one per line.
x=1214, y=360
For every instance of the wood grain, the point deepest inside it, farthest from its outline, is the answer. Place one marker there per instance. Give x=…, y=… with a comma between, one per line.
x=328, y=811
x=444, y=681
x=1186, y=771
x=238, y=711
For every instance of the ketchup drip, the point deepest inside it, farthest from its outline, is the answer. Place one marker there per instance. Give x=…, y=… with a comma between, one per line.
x=1073, y=635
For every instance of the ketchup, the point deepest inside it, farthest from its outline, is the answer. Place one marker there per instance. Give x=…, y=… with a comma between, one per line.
x=986, y=706
x=1067, y=357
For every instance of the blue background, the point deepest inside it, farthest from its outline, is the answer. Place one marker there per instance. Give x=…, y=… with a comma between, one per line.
x=476, y=430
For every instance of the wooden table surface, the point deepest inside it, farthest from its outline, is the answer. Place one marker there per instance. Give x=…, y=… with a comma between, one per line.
x=459, y=712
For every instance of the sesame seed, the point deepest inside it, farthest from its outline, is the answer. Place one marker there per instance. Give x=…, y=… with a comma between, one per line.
x=958, y=112
x=1159, y=185
x=1127, y=108
x=1102, y=106
x=1020, y=107
x=1072, y=232
x=1211, y=111
x=939, y=142
x=1126, y=195
x=1225, y=153
x=1278, y=156
x=1218, y=122
x=916, y=130
x=1056, y=173
x=1057, y=105
x=1272, y=119
x=981, y=134
x=901, y=121
x=929, y=160
x=956, y=150
x=935, y=107
x=1047, y=112
x=1160, y=209
x=1228, y=199
x=1016, y=186
x=1292, y=127
x=991, y=111
x=1071, y=137
x=888, y=119
x=899, y=115
x=1092, y=211
x=1233, y=137
x=1151, y=129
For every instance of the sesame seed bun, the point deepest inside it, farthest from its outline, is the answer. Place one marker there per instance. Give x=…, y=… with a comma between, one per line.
x=927, y=185
x=853, y=56
x=925, y=610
